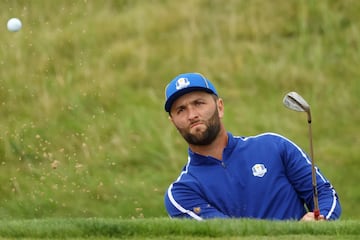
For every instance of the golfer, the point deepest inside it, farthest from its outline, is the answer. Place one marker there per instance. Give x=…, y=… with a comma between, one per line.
x=226, y=176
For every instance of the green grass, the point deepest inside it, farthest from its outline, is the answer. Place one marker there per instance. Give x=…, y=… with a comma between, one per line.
x=82, y=88
x=159, y=228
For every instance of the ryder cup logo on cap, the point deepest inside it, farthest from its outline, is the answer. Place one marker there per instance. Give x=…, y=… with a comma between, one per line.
x=185, y=83
x=182, y=83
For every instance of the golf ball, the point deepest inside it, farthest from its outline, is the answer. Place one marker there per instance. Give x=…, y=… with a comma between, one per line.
x=14, y=24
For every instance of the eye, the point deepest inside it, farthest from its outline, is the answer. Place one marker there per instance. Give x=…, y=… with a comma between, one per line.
x=180, y=110
x=198, y=103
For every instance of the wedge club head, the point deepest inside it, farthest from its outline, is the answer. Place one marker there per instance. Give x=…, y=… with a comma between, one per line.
x=295, y=102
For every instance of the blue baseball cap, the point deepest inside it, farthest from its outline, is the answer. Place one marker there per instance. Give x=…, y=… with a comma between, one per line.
x=185, y=83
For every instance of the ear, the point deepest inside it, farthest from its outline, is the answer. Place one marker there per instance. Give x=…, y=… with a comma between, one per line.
x=220, y=106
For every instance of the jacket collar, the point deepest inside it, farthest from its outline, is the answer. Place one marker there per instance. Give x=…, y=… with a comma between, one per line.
x=198, y=159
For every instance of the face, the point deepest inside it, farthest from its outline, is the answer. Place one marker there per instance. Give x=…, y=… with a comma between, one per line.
x=196, y=116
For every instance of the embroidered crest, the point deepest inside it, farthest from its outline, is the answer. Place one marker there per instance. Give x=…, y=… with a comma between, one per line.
x=197, y=210
x=182, y=83
x=259, y=170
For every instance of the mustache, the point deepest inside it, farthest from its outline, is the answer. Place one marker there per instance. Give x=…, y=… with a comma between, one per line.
x=194, y=122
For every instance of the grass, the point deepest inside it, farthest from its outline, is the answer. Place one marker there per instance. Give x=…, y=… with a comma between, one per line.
x=83, y=133
x=159, y=228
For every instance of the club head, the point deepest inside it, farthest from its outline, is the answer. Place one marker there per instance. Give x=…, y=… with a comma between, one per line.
x=295, y=102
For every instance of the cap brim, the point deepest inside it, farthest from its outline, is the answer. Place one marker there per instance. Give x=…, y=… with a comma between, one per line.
x=184, y=91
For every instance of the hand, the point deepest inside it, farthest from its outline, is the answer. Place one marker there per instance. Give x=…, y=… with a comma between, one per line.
x=310, y=217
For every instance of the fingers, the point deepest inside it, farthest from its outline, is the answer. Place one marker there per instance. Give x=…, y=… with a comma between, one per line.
x=310, y=216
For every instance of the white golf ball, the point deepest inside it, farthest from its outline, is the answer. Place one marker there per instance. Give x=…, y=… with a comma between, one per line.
x=14, y=24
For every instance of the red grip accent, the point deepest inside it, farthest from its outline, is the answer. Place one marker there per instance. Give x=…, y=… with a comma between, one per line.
x=317, y=214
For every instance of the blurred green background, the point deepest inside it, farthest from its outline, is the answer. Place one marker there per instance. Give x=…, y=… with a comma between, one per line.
x=83, y=130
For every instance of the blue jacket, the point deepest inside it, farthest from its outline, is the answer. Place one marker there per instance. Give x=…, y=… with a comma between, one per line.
x=265, y=176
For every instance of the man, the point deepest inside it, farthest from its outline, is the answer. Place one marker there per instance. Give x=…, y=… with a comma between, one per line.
x=264, y=177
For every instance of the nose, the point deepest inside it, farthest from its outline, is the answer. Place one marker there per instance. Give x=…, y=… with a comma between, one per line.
x=192, y=113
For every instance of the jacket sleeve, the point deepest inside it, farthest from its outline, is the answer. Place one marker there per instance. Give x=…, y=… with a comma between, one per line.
x=183, y=201
x=299, y=173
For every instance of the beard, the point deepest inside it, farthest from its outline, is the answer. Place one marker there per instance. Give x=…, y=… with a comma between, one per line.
x=208, y=135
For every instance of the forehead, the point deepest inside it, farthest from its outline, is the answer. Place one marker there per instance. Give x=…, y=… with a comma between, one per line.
x=191, y=96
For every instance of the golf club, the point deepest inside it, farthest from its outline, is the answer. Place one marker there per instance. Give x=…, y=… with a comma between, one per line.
x=294, y=101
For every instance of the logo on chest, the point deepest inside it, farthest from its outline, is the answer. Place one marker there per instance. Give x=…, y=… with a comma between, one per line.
x=259, y=170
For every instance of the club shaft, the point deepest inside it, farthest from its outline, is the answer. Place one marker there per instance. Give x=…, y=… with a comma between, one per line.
x=313, y=174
